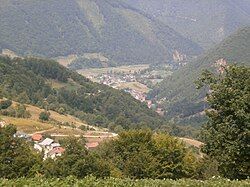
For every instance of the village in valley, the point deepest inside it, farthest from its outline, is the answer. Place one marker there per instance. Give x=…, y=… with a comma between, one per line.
x=136, y=80
x=49, y=145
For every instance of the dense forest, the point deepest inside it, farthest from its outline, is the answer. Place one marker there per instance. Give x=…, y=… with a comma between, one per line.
x=205, y=22
x=32, y=81
x=182, y=100
x=111, y=27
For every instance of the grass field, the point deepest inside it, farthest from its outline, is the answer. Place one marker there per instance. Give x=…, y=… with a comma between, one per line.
x=55, y=126
x=66, y=60
x=35, y=111
x=70, y=85
x=134, y=85
x=126, y=69
x=33, y=124
x=27, y=125
x=112, y=182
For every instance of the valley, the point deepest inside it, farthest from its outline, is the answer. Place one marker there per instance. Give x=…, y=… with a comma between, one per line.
x=124, y=93
x=137, y=80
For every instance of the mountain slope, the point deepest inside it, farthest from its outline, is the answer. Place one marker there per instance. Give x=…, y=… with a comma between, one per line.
x=48, y=85
x=182, y=99
x=110, y=27
x=205, y=22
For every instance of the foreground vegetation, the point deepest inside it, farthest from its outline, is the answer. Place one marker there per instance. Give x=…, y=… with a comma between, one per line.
x=113, y=182
x=137, y=155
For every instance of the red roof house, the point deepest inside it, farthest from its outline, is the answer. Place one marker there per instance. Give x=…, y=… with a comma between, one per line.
x=37, y=137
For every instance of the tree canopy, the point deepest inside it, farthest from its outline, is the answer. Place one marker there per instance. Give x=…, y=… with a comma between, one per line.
x=226, y=134
x=142, y=154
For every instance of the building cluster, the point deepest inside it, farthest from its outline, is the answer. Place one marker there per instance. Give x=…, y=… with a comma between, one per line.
x=136, y=94
x=47, y=146
x=113, y=79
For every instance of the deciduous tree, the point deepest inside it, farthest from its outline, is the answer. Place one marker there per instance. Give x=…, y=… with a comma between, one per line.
x=226, y=134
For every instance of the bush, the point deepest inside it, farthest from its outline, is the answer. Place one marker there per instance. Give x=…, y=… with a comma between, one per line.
x=44, y=116
x=18, y=112
x=92, y=181
x=141, y=154
x=5, y=104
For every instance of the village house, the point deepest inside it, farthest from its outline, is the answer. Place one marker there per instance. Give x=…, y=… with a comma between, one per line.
x=51, y=149
x=20, y=134
x=55, y=152
x=38, y=147
x=37, y=137
x=46, y=146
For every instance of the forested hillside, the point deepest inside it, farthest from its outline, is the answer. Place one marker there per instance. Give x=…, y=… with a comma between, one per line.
x=182, y=100
x=47, y=84
x=206, y=22
x=110, y=27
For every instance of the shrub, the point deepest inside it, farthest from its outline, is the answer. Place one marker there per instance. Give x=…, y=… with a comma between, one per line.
x=44, y=116
x=5, y=104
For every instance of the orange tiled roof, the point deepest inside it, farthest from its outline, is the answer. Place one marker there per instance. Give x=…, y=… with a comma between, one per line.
x=37, y=137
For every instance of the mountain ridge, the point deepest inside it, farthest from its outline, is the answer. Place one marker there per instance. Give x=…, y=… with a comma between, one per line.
x=205, y=22
x=182, y=98
x=109, y=27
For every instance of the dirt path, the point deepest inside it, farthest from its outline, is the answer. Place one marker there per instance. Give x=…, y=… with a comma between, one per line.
x=43, y=131
x=87, y=136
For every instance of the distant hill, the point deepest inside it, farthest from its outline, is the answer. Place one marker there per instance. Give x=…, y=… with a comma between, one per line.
x=111, y=28
x=182, y=98
x=206, y=22
x=48, y=85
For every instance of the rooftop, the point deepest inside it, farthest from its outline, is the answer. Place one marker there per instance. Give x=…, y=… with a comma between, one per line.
x=46, y=142
x=37, y=137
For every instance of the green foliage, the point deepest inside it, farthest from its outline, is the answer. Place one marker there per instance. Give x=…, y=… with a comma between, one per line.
x=44, y=116
x=76, y=161
x=113, y=182
x=140, y=154
x=16, y=157
x=96, y=104
x=18, y=111
x=226, y=134
x=183, y=101
x=192, y=20
x=5, y=104
x=84, y=63
x=74, y=29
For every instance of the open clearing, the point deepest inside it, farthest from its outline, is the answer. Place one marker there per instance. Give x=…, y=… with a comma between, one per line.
x=35, y=112
x=134, y=85
x=125, y=69
x=192, y=142
x=55, y=127
x=27, y=125
x=66, y=60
